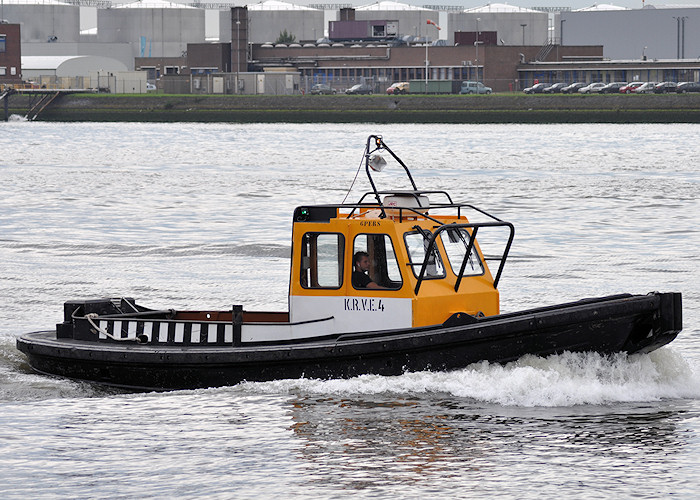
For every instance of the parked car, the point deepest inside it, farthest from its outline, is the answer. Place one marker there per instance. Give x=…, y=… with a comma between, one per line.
x=665, y=87
x=398, y=88
x=685, y=87
x=591, y=88
x=150, y=86
x=537, y=88
x=629, y=88
x=645, y=88
x=554, y=88
x=322, y=88
x=474, y=88
x=360, y=88
x=612, y=88
x=573, y=88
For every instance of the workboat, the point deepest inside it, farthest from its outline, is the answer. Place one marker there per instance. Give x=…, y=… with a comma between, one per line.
x=394, y=283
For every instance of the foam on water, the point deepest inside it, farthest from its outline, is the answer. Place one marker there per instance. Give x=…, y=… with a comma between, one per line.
x=19, y=383
x=559, y=380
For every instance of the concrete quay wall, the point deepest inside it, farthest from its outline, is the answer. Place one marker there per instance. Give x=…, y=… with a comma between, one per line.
x=499, y=108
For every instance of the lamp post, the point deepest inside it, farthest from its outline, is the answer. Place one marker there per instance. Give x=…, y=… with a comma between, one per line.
x=426, y=65
x=523, y=27
x=426, y=54
x=476, y=44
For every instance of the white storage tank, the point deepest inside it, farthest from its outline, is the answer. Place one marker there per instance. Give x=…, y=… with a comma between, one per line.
x=513, y=25
x=268, y=19
x=47, y=21
x=154, y=28
x=404, y=19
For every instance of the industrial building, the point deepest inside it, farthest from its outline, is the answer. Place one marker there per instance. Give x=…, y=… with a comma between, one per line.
x=10, y=54
x=496, y=65
x=507, y=47
x=123, y=31
x=654, y=32
x=607, y=71
x=36, y=67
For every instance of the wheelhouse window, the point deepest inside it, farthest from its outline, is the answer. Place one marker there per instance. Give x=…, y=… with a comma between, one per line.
x=417, y=244
x=456, y=242
x=322, y=260
x=383, y=267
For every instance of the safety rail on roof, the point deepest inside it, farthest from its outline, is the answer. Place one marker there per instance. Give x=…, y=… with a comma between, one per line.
x=332, y=211
x=324, y=213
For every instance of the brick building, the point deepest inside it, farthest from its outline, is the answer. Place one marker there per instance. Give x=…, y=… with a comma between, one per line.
x=10, y=54
x=496, y=65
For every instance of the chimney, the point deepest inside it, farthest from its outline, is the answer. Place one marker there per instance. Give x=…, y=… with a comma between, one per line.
x=347, y=14
x=239, y=39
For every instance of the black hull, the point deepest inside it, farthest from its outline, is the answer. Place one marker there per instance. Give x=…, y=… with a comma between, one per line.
x=631, y=324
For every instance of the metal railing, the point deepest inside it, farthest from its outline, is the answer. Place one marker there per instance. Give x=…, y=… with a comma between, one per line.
x=472, y=238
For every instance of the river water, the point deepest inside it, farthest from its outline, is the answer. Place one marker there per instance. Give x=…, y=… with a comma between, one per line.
x=199, y=216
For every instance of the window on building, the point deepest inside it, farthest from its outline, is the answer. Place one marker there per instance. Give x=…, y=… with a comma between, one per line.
x=172, y=70
x=383, y=265
x=322, y=260
x=3, y=43
x=378, y=31
x=150, y=72
x=3, y=70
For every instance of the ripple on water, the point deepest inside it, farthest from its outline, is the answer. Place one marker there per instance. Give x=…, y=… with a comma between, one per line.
x=199, y=216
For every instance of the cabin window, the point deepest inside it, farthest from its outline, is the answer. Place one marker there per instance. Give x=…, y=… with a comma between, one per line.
x=322, y=260
x=456, y=242
x=416, y=244
x=383, y=264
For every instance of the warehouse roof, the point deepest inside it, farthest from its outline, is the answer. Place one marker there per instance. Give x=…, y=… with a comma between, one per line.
x=388, y=5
